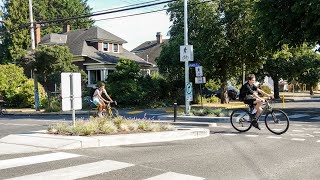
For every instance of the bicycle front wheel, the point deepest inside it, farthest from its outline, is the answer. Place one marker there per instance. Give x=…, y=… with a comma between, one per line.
x=277, y=121
x=240, y=120
x=113, y=112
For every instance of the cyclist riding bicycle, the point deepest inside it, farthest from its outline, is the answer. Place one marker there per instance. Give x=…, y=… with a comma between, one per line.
x=97, y=98
x=249, y=95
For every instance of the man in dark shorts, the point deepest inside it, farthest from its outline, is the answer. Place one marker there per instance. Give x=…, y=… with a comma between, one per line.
x=249, y=95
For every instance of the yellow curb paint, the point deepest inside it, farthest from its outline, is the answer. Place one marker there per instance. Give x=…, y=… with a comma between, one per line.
x=134, y=112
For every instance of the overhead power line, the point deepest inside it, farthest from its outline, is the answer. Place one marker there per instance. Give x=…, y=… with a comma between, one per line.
x=108, y=12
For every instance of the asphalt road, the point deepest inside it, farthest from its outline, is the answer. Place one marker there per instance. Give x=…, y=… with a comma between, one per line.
x=225, y=154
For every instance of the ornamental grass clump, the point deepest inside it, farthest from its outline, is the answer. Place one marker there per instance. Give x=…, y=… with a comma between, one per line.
x=108, y=125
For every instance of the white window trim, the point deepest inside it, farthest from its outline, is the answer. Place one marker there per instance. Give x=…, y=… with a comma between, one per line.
x=118, y=48
x=103, y=43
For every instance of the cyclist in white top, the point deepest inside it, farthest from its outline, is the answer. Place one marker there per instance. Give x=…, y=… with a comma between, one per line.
x=98, y=100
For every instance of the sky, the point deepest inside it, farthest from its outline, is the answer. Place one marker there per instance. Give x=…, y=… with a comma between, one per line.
x=135, y=29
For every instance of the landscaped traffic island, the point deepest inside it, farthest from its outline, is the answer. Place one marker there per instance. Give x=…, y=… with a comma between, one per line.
x=100, y=126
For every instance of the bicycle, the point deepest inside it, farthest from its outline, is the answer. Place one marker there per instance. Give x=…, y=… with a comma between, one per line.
x=108, y=111
x=276, y=120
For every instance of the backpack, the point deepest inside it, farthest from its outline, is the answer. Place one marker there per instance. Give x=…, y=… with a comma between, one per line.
x=242, y=93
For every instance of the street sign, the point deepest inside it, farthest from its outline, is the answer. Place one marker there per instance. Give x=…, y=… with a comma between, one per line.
x=71, y=90
x=199, y=71
x=200, y=80
x=189, y=94
x=193, y=64
x=186, y=53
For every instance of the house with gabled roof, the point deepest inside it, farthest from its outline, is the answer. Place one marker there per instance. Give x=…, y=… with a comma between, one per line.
x=95, y=50
x=150, y=50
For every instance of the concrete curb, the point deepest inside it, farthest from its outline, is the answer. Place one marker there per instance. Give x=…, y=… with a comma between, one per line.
x=196, y=118
x=44, y=142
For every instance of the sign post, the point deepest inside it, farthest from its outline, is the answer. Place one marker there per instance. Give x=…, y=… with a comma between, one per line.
x=71, y=93
x=199, y=79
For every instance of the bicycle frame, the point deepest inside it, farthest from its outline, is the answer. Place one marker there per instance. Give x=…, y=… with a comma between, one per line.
x=267, y=107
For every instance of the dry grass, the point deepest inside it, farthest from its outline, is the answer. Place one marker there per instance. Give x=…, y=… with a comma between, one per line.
x=118, y=125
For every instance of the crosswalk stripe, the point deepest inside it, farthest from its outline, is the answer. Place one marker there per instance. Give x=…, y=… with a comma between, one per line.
x=298, y=115
x=174, y=176
x=318, y=141
x=298, y=130
x=297, y=139
x=10, y=163
x=76, y=172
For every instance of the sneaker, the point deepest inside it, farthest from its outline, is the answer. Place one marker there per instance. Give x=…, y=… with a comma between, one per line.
x=100, y=114
x=255, y=124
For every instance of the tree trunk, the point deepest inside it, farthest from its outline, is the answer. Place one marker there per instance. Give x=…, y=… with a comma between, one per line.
x=311, y=89
x=224, y=92
x=276, y=88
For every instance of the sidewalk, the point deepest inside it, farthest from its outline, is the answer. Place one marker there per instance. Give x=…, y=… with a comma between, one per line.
x=40, y=141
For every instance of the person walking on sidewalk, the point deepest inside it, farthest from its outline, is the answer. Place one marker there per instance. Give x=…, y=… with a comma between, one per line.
x=97, y=98
x=249, y=95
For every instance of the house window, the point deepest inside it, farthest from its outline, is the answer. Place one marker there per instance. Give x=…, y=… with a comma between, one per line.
x=95, y=76
x=105, y=46
x=116, y=48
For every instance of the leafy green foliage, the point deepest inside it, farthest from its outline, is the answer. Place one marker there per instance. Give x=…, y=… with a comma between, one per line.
x=129, y=87
x=16, y=88
x=51, y=61
x=15, y=31
x=222, y=36
x=290, y=22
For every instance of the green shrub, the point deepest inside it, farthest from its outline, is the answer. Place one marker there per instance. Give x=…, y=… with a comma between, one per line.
x=52, y=104
x=216, y=112
x=27, y=94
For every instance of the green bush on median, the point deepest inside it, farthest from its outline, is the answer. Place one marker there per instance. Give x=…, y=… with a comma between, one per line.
x=118, y=125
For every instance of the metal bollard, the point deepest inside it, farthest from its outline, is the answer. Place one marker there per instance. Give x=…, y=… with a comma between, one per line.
x=174, y=112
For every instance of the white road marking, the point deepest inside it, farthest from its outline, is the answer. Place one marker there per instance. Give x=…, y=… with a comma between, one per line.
x=230, y=134
x=298, y=115
x=318, y=141
x=302, y=135
x=250, y=135
x=297, y=139
x=10, y=163
x=298, y=130
x=76, y=172
x=274, y=137
x=296, y=124
x=316, y=132
x=174, y=176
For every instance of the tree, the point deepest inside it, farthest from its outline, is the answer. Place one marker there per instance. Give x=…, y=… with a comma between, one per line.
x=223, y=39
x=279, y=66
x=15, y=31
x=50, y=62
x=291, y=22
x=123, y=84
x=307, y=58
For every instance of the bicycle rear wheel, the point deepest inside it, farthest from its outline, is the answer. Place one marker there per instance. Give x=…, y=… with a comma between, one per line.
x=240, y=120
x=277, y=121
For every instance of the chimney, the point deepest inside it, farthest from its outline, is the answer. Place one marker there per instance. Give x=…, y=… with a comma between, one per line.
x=37, y=34
x=66, y=28
x=159, y=37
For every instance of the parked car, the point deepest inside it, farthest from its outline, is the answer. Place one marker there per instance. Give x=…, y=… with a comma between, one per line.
x=233, y=93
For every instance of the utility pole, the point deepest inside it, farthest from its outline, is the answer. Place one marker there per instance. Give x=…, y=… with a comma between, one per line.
x=186, y=65
x=33, y=47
